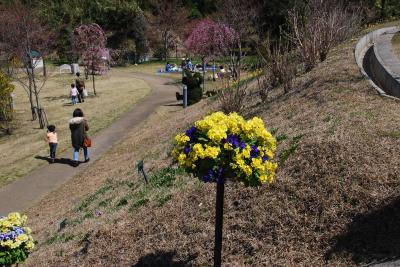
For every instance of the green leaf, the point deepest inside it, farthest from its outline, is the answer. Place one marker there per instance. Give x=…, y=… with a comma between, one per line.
x=202, y=139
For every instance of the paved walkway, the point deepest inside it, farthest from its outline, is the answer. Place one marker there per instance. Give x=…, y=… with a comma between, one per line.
x=24, y=192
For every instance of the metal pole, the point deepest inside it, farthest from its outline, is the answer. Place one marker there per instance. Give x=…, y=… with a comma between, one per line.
x=213, y=70
x=185, y=97
x=219, y=215
x=145, y=176
x=204, y=73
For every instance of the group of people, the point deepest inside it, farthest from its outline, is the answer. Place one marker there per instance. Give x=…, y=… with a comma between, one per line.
x=78, y=126
x=187, y=64
x=171, y=67
x=78, y=90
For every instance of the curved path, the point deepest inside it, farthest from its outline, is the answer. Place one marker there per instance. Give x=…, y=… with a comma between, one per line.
x=24, y=192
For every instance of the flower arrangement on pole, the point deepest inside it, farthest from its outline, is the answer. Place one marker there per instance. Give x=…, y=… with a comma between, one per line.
x=16, y=241
x=221, y=147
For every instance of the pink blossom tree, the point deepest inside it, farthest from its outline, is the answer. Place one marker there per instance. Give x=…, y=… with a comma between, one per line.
x=90, y=43
x=211, y=39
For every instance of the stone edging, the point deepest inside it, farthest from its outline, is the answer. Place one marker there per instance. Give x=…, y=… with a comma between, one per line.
x=365, y=43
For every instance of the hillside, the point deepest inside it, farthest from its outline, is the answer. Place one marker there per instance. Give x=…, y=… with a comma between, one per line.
x=335, y=200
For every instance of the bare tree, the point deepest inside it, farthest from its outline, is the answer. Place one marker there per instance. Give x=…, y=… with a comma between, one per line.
x=304, y=35
x=168, y=19
x=23, y=40
x=283, y=67
x=278, y=67
x=320, y=26
x=238, y=14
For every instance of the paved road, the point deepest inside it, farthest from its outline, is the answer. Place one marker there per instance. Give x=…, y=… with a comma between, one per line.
x=26, y=191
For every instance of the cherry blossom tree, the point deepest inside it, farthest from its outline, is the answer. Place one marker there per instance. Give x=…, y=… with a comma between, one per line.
x=211, y=39
x=90, y=44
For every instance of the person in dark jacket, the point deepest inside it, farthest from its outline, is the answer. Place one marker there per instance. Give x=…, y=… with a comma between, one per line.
x=80, y=85
x=79, y=126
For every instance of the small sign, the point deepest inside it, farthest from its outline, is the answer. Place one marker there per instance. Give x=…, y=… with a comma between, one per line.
x=140, y=168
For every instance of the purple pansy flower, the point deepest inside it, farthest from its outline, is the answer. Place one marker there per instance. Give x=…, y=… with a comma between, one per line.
x=255, y=152
x=242, y=145
x=231, y=139
x=213, y=176
x=186, y=149
x=191, y=133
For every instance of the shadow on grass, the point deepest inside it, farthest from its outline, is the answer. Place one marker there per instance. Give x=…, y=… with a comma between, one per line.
x=57, y=160
x=372, y=237
x=162, y=259
x=69, y=104
x=173, y=83
x=174, y=105
x=54, y=98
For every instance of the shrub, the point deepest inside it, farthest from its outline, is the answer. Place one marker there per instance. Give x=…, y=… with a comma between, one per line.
x=233, y=96
x=193, y=83
x=264, y=84
x=6, y=109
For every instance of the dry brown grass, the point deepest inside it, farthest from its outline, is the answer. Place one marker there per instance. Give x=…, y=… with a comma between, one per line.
x=116, y=93
x=335, y=200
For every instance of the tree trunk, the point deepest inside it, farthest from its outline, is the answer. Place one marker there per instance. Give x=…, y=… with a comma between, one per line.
x=383, y=5
x=38, y=108
x=239, y=62
x=31, y=100
x=94, y=87
x=44, y=69
x=166, y=45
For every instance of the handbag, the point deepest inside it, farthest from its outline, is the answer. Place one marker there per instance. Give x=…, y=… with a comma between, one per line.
x=87, y=142
x=85, y=93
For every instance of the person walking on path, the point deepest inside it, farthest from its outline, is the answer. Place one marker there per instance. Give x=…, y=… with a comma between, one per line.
x=79, y=127
x=80, y=85
x=52, y=140
x=74, y=93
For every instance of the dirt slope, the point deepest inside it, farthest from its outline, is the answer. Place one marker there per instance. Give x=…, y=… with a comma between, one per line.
x=335, y=200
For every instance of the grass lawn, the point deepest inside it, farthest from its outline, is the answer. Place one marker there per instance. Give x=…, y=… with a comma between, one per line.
x=116, y=93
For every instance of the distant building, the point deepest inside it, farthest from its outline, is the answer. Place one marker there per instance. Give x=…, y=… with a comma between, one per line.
x=37, y=60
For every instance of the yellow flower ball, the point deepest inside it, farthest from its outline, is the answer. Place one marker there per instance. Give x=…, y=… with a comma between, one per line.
x=242, y=148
